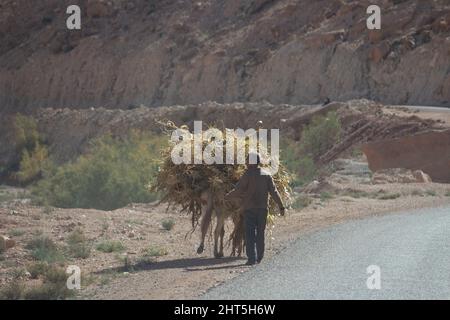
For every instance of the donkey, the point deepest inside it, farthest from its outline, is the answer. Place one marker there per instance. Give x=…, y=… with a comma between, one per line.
x=209, y=208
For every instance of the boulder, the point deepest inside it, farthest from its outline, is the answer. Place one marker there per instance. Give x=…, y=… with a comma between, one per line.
x=428, y=152
x=421, y=176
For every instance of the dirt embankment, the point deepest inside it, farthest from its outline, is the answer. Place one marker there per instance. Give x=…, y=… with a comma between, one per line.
x=180, y=52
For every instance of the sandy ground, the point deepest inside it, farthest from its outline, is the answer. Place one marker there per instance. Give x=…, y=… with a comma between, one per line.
x=181, y=273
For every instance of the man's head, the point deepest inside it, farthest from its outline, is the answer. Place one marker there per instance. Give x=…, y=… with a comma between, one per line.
x=253, y=160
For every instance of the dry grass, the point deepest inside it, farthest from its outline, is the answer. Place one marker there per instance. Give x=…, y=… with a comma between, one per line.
x=183, y=184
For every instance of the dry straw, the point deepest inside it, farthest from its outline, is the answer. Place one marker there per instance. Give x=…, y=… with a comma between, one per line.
x=181, y=185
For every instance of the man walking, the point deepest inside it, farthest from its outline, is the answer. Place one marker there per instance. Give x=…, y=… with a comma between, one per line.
x=254, y=188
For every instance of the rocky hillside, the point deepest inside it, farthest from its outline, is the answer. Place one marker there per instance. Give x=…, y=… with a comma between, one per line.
x=165, y=52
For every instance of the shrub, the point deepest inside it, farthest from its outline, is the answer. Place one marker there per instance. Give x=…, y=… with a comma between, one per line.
x=301, y=166
x=431, y=193
x=13, y=291
x=307, y=170
x=78, y=245
x=389, y=196
x=55, y=275
x=316, y=139
x=113, y=174
x=44, y=249
x=168, y=224
x=301, y=201
x=54, y=286
x=18, y=273
x=48, y=291
x=110, y=246
x=25, y=132
x=357, y=194
x=324, y=196
x=16, y=232
x=37, y=269
x=155, y=252
x=320, y=135
x=32, y=164
x=30, y=148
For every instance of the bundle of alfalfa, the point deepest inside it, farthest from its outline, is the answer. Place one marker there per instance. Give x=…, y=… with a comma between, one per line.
x=182, y=183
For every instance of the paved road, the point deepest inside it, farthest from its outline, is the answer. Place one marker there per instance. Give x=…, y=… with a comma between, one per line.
x=412, y=250
x=424, y=108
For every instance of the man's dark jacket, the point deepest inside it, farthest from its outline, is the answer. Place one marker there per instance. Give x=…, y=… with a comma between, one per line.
x=254, y=188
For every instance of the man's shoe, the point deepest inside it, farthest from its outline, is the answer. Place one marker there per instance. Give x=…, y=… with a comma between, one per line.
x=258, y=261
x=250, y=263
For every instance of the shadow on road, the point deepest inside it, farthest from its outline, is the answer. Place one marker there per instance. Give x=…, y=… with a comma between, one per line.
x=189, y=264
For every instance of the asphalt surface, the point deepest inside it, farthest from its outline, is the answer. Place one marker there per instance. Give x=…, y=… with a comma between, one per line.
x=424, y=108
x=411, y=249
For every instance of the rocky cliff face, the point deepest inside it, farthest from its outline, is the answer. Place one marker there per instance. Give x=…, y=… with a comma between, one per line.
x=165, y=52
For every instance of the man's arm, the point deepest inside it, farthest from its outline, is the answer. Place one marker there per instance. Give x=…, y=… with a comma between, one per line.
x=275, y=195
x=240, y=188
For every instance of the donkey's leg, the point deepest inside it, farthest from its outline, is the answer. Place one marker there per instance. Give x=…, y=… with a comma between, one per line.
x=222, y=234
x=218, y=233
x=207, y=210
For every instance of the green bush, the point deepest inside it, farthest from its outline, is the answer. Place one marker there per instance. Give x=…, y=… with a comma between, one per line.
x=307, y=170
x=13, y=291
x=154, y=252
x=110, y=246
x=44, y=249
x=316, y=139
x=325, y=196
x=78, y=245
x=16, y=232
x=389, y=196
x=30, y=148
x=54, y=286
x=301, y=166
x=113, y=174
x=301, y=201
x=32, y=164
x=320, y=135
x=37, y=269
x=25, y=132
x=168, y=224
